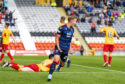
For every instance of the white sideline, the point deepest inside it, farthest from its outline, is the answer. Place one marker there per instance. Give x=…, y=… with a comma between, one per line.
x=98, y=68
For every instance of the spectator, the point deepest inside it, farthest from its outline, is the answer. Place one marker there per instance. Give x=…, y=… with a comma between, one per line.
x=110, y=6
x=105, y=9
x=1, y=3
x=96, y=5
x=106, y=20
x=11, y=15
x=124, y=3
x=89, y=8
x=5, y=2
x=81, y=50
x=101, y=16
x=109, y=12
x=108, y=2
x=80, y=11
x=118, y=3
x=72, y=13
x=83, y=19
x=90, y=20
x=99, y=21
x=105, y=15
x=93, y=26
x=117, y=14
x=97, y=13
x=76, y=14
x=115, y=7
x=73, y=3
x=3, y=11
x=67, y=8
x=1, y=15
x=13, y=22
x=0, y=8
x=6, y=16
x=102, y=3
x=91, y=14
x=122, y=16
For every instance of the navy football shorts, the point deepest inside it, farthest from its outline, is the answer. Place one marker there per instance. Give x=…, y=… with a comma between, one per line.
x=63, y=55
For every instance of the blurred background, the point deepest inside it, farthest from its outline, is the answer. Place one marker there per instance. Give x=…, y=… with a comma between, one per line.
x=34, y=23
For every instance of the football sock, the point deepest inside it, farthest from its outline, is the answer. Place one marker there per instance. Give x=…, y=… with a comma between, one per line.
x=68, y=63
x=110, y=58
x=105, y=58
x=8, y=53
x=58, y=68
x=15, y=66
x=52, y=67
x=2, y=55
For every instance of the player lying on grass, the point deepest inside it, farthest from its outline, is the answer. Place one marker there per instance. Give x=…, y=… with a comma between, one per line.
x=5, y=42
x=63, y=40
x=43, y=66
x=110, y=32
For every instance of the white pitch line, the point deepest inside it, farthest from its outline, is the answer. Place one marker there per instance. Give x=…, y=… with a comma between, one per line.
x=61, y=72
x=98, y=68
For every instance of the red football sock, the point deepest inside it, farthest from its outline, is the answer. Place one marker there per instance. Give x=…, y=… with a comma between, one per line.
x=105, y=58
x=2, y=55
x=110, y=58
x=10, y=55
x=15, y=66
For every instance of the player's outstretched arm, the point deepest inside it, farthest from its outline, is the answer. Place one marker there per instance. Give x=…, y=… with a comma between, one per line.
x=13, y=38
x=57, y=42
x=117, y=36
x=101, y=29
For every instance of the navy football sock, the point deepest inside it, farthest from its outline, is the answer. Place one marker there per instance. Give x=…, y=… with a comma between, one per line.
x=58, y=68
x=52, y=68
x=68, y=63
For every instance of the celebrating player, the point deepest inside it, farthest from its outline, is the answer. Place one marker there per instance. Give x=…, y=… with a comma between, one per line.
x=5, y=42
x=110, y=32
x=62, y=22
x=63, y=40
x=43, y=66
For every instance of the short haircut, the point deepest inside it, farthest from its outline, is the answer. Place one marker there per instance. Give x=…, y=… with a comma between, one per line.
x=7, y=24
x=51, y=55
x=62, y=18
x=110, y=23
x=71, y=18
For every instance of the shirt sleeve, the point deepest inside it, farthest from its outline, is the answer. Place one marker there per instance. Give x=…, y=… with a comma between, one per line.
x=11, y=33
x=59, y=31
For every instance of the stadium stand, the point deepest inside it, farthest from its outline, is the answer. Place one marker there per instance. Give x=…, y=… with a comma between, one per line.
x=96, y=40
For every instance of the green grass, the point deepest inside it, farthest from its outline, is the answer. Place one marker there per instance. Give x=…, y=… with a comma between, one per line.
x=83, y=70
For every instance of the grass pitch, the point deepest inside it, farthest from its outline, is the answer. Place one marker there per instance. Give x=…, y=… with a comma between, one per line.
x=83, y=70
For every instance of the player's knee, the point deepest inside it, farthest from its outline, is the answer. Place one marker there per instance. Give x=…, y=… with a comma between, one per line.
x=105, y=53
x=56, y=58
x=110, y=54
x=3, y=52
x=7, y=51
